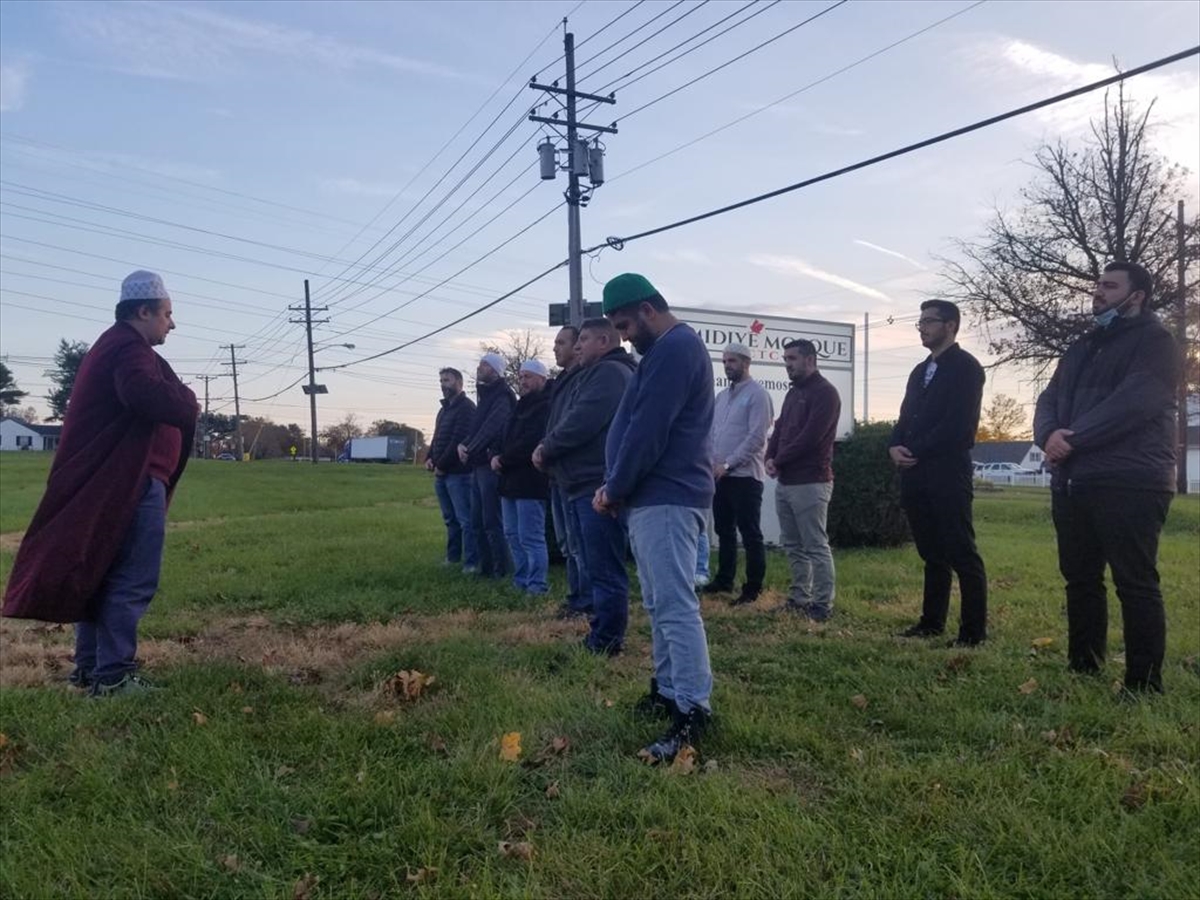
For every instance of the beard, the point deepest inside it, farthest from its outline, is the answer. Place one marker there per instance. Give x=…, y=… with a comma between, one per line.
x=449, y=393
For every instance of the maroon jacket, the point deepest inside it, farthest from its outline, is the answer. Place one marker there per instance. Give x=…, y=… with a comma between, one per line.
x=802, y=443
x=122, y=392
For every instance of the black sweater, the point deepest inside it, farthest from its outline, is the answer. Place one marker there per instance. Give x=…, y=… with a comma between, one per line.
x=519, y=480
x=450, y=430
x=938, y=423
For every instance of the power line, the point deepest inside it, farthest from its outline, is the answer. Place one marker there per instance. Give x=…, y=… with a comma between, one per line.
x=645, y=40
x=618, y=243
x=730, y=62
x=603, y=28
x=630, y=34
x=805, y=88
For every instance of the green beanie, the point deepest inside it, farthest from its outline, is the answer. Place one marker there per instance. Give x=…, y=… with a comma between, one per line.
x=626, y=290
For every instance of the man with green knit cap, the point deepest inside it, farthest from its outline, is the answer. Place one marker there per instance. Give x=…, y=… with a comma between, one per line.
x=659, y=475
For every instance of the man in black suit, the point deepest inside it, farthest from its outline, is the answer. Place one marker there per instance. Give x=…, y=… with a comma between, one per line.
x=931, y=446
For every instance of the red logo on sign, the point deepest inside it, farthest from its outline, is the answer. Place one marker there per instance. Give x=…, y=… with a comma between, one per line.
x=756, y=327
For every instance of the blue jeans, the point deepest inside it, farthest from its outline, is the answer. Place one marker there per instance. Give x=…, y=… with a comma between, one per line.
x=525, y=528
x=454, y=496
x=703, y=552
x=486, y=522
x=106, y=645
x=664, y=544
x=602, y=543
x=579, y=588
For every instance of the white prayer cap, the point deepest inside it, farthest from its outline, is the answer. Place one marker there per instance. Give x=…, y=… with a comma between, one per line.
x=534, y=366
x=143, y=285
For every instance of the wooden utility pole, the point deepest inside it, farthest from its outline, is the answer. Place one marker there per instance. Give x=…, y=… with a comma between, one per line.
x=237, y=401
x=204, y=419
x=312, y=388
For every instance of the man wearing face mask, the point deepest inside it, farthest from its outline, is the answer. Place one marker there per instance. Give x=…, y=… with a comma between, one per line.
x=452, y=478
x=1107, y=425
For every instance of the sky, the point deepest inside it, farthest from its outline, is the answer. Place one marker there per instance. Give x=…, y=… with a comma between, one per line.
x=241, y=148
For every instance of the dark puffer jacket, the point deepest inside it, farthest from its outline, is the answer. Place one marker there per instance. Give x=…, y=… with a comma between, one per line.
x=519, y=480
x=451, y=429
x=574, y=446
x=496, y=402
x=1115, y=389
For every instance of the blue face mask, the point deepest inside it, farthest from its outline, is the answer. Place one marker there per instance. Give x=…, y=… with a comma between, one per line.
x=1106, y=318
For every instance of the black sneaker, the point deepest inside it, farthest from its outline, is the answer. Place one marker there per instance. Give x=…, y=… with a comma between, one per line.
x=686, y=730
x=655, y=705
x=80, y=678
x=745, y=597
x=716, y=587
x=920, y=631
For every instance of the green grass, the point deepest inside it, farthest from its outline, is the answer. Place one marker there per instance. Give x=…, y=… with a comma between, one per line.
x=949, y=783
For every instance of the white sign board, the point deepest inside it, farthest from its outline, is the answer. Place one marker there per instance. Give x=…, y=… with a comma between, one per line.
x=765, y=336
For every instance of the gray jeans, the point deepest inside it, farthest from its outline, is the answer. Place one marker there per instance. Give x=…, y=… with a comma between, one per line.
x=802, y=509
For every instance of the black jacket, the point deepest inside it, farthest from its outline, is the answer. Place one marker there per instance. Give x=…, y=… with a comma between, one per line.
x=496, y=402
x=938, y=423
x=519, y=480
x=574, y=447
x=451, y=428
x=1115, y=389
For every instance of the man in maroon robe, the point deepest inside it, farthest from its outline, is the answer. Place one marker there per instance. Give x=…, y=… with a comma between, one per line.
x=93, y=551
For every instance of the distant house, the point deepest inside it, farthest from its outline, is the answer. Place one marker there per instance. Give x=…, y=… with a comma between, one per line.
x=1193, y=459
x=17, y=434
x=1025, y=454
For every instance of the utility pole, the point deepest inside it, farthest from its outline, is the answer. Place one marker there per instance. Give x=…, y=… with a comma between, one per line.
x=581, y=160
x=866, y=367
x=1181, y=456
x=237, y=402
x=312, y=388
x=204, y=419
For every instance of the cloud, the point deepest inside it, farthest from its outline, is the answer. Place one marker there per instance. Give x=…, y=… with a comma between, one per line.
x=1015, y=66
x=885, y=250
x=190, y=43
x=14, y=79
x=792, y=265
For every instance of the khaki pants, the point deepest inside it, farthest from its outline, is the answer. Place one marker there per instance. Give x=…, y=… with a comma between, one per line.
x=802, y=510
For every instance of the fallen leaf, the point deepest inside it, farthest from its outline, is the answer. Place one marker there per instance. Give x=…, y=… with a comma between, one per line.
x=608, y=704
x=560, y=744
x=385, y=716
x=234, y=687
x=361, y=775
x=552, y=791
x=200, y=718
x=660, y=834
x=3, y=740
x=304, y=887
x=1042, y=643
x=859, y=701
x=304, y=676
x=231, y=863
x=436, y=744
x=958, y=663
x=858, y=756
x=1135, y=796
x=522, y=850
x=710, y=766
x=684, y=762
x=173, y=784
x=408, y=685
x=510, y=746
x=422, y=875
x=282, y=771
x=1029, y=686
x=1050, y=737
x=301, y=826
x=248, y=710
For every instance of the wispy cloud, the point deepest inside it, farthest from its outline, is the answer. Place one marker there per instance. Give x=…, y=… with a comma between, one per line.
x=191, y=43
x=1012, y=65
x=895, y=253
x=14, y=80
x=792, y=265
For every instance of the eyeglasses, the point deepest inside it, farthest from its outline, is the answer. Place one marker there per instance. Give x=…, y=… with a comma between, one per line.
x=921, y=323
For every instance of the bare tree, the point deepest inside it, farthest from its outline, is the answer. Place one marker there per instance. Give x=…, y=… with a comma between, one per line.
x=517, y=347
x=1111, y=197
x=335, y=437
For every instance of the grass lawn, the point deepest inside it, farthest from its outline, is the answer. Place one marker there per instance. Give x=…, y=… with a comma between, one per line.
x=282, y=762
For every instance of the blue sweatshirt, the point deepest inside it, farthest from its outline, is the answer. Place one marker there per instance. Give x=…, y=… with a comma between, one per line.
x=658, y=445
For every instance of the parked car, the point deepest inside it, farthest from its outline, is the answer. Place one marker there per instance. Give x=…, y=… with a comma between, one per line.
x=229, y=457
x=1000, y=470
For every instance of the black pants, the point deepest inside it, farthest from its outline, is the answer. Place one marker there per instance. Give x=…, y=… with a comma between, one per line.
x=1120, y=527
x=938, y=503
x=737, y=507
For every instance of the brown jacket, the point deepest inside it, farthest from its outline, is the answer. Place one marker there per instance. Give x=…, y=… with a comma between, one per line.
x=802, y=443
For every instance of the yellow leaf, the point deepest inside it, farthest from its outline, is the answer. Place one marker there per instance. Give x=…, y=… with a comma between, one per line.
x=859, y=701
x=1042, y=643
x=510, y=746
x=684, y=762
x=200, y=718
x=522, y=850
x=1029, y=687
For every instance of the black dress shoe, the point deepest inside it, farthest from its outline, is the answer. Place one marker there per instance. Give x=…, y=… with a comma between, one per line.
x=745, y=597
x=686, y=731
x=654, y=704
x=715, y=587
x=920, y=631
x=961, y=641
